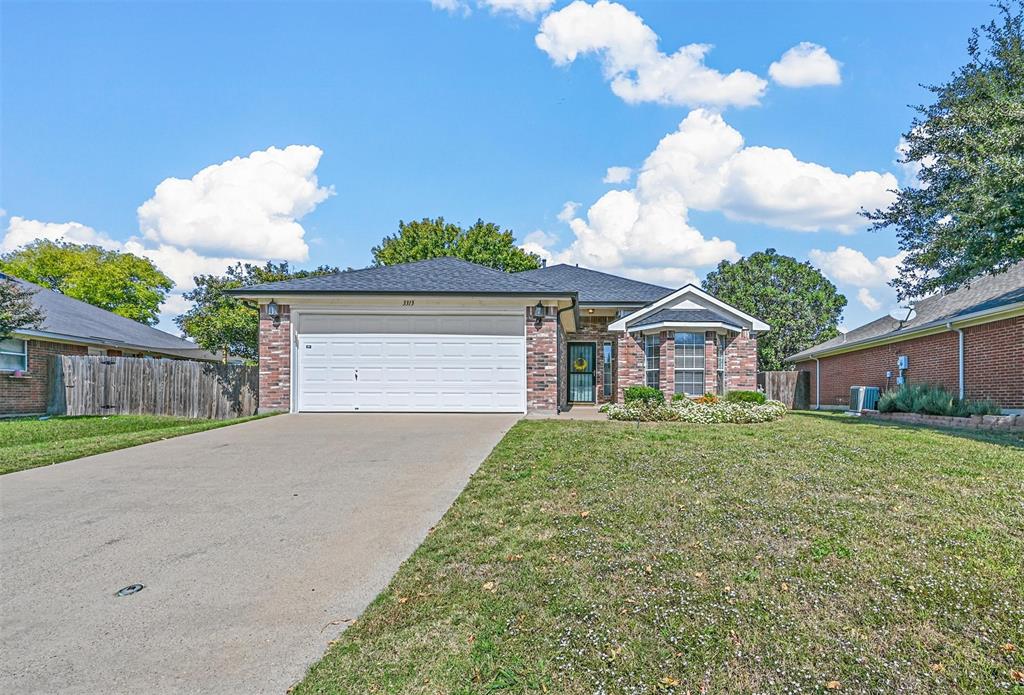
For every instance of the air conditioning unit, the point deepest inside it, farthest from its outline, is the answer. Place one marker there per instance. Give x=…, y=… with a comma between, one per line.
x=864, y=398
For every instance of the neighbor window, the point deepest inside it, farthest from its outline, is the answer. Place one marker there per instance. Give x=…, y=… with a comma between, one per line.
x=13, y=355
x=690, y=363
x=653, y=369
x=606, y=373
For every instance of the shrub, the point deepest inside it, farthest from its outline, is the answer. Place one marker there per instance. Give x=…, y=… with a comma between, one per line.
x=644, y=394
x=686, y=410
x=928, y=399
x=746, y=397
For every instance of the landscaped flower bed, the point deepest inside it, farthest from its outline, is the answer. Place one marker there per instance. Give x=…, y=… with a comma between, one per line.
x=704, y=412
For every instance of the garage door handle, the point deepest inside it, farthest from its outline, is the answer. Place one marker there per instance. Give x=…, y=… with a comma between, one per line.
x=357, y=375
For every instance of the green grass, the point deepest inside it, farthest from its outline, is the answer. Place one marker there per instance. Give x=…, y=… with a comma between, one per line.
x=30, y=442
x=815, y=554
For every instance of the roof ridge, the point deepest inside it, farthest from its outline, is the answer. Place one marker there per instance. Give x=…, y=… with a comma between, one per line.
x=597, y=272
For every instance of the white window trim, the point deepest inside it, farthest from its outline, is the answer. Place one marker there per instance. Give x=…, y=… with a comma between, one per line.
x=647, y=368
x=23, y=354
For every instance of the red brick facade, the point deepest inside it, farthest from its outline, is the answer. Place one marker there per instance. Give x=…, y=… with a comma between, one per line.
x=28, y=394
x=993, y=365
x=630, y=350
x=740, y=362
x=275, y=359
x=542, y=363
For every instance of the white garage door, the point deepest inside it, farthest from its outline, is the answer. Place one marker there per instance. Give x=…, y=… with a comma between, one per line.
x=418, y=363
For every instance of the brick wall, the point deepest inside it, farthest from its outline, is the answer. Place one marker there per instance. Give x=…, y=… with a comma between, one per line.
x=667, y=362
x=629, y=350
x=275, y=359
x=993, y=365
x=994, y=362
x=740, y=362
x=542, y=361
x=710, y=362
x=28, y=395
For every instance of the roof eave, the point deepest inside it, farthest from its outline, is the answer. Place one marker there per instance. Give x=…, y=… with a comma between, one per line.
x=936, y=326
x=261, y=294
x=99, y=341
x=677, y=325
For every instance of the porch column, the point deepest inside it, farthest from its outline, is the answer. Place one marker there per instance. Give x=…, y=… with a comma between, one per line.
x=710, y=362
x=667, y=363
x=629, y=355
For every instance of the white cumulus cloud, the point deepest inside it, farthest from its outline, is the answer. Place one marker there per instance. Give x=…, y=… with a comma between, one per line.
x=568, y=210
x=637, y=70
x=705, y=166
x=852, y=267
x=247, y=206
x=805, y=65
x=21, y=231
x=618, y=175
x=524, y=9
x=867, y=299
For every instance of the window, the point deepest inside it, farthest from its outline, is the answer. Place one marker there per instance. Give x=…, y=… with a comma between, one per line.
x=609, y=357
x=13, y=355
x=690, y=363
x=652, y=372
x=722, y=341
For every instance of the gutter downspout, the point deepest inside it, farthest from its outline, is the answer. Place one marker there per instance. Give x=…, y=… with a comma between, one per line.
x=558, y=353
x=960, y=357
x=817, y=383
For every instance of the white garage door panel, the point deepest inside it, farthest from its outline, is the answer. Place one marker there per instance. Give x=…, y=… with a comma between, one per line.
x=413, y=373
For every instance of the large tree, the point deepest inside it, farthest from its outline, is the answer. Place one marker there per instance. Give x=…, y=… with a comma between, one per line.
x=222, y=324
x=484, y=243
x=123, y=283
x=16, y=308
x=795, y=299
x=964, y=216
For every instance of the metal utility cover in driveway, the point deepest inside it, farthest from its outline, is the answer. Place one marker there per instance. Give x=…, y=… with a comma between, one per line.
x=254, y=542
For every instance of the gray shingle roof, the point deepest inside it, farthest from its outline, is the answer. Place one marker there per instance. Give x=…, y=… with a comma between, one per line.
x=595, y=287
x=432, y=276
x=984, y=293
x=74, y=319
x=683, y=316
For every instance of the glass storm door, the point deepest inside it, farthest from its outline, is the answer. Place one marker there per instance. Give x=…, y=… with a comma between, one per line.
x=581, y=372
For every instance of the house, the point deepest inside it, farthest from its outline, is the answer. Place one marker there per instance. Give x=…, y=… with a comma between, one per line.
x=970, y=340
x=73, y=327
x=447, y=335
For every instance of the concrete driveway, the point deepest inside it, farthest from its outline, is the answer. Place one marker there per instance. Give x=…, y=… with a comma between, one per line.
x=255, y=543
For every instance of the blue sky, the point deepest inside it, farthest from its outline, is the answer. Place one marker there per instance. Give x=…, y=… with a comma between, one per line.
x=409, y=110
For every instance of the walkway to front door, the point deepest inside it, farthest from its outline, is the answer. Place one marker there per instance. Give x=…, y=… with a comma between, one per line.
x=582, y=357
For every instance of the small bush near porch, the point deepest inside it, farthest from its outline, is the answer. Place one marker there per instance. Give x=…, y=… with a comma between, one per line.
x=813, y=554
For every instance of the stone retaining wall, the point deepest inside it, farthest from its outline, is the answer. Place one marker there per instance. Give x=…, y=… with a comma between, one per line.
x=1013, y=423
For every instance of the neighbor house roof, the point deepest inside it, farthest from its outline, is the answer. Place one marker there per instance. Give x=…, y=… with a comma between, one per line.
x=698, y=316
x=595, y=287
x=989, y=294
x=432, y=276
x=76, y=321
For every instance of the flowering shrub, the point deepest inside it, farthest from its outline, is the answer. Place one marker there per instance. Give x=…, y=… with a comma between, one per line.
x=689, y=411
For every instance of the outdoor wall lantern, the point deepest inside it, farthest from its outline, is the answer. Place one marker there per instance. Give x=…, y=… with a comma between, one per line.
x=538, y=312
x=272, y=312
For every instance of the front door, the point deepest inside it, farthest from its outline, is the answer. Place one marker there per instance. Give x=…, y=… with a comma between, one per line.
x=582, y=357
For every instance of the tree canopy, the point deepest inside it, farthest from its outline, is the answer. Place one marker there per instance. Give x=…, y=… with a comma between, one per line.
x=123, y=283
x=16, y=308
x=964, y=216
x=225, y=325
x=484, y=243
x=798, y=302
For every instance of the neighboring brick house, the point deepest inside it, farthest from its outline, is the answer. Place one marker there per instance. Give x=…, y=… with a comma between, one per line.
x=71, y=327
x=445, y=335
x=970, y=340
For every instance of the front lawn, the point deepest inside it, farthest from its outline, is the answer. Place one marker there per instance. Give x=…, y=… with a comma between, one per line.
x=31, y=442
x=814, y=554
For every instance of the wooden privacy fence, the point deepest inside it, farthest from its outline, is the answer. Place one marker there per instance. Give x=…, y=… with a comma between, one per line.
x=82, y=385
x=791, y=387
